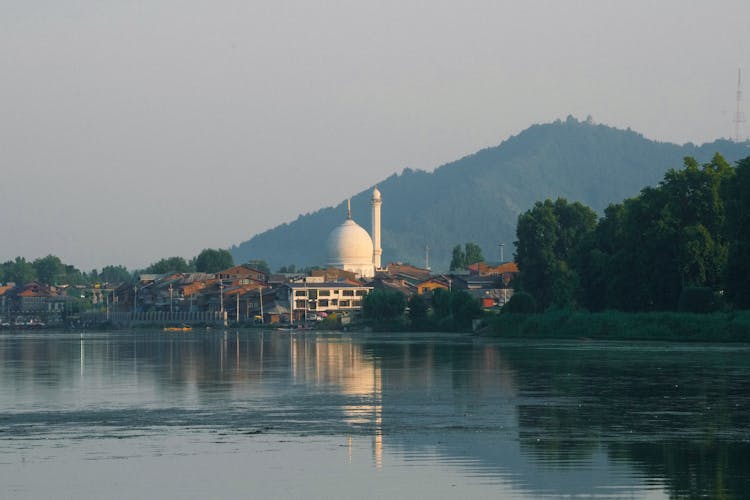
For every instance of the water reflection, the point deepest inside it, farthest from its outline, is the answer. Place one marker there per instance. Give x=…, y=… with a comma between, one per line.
x=545, y=418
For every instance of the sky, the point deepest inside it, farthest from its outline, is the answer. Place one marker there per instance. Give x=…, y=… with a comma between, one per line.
x=132, y=130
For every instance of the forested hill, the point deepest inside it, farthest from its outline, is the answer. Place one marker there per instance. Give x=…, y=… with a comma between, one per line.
x=478, y=198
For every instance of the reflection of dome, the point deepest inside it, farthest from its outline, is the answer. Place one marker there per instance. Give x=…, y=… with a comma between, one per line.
x=350, y=248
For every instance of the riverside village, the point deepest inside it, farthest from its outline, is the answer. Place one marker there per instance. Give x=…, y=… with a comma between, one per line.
x=246, y=295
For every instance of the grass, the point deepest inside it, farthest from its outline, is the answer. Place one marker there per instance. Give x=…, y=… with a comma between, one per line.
x=613, y=325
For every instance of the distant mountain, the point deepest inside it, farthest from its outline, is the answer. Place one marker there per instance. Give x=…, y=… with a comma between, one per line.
x=478, y=198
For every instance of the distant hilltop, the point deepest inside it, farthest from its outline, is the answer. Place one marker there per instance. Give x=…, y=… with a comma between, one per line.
x=479, y=197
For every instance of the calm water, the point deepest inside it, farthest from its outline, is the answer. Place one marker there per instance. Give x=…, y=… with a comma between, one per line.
x=219, y=414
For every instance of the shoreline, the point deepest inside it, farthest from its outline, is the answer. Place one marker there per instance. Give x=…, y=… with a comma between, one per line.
x=724, y=327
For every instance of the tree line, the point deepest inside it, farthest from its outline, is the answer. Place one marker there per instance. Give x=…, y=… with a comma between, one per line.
x=681, y=245
x=51, y=270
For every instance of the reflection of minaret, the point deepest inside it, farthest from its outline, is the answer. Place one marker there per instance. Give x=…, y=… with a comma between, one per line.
x=376, y=250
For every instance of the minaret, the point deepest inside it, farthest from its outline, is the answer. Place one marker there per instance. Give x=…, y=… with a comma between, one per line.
x=376, y=250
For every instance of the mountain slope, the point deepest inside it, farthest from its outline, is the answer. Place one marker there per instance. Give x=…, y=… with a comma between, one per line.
x=478, y=198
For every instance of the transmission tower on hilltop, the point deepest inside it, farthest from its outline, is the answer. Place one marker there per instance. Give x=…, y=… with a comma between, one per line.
x=739, y=115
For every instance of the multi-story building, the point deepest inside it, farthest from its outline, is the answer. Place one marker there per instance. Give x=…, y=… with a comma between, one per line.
x=309, y=298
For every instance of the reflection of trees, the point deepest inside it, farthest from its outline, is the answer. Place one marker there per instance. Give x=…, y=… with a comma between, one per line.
x=678, y=416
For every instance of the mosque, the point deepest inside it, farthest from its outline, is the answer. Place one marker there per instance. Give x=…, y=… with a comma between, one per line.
x=351, y=248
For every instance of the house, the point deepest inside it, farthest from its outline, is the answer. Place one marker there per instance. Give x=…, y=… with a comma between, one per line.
x=506, y=270
x=306, y=298
x=242, y=275
x=406, y=272
x=431, y=284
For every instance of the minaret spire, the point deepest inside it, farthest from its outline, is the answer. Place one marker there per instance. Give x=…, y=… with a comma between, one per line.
x=377, y=252
x=349, y=208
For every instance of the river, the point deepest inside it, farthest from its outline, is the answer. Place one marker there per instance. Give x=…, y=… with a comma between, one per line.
x=273, y=414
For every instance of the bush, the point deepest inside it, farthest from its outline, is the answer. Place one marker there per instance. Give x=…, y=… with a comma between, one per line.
x=520, y=303
x=697, y=300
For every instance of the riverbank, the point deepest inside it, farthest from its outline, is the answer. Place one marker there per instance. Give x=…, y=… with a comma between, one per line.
x=612, y=325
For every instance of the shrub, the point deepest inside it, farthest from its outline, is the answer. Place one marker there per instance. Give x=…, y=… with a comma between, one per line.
x=520, y=303
x=697, y=300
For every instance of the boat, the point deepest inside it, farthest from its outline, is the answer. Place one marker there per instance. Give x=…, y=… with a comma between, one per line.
x=182, y=328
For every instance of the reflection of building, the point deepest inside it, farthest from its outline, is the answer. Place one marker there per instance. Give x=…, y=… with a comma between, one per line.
x=358, y=376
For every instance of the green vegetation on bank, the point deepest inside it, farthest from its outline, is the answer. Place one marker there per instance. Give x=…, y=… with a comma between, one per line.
x=50, y=270
x=614, y=325
x=449, y=311
x=674, y=246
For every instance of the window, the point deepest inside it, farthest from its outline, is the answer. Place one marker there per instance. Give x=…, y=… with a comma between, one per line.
x=334, y=302
x=299, y=293
x=325, y=293
x=323, y=302
x=348, y=293
x=299, y=304
x=357, y=303
x=344, y=303
x=361, y=293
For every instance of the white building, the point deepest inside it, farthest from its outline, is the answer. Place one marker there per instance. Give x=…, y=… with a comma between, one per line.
x=311, y=297
x=351, y=248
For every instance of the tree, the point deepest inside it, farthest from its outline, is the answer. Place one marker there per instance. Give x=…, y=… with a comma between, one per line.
x=260, y=265
x=213, y=260
x=441, y=303
x=458, y=261
x=384, y=305
x=737, y=231
x=19, y=271
x=550, y=236
x=417, y=309
x=520, y=303
x=473, y=254
x=464, y=308
x=49, y=269
x=168, y=265
x=115, y=274
x=649, y=248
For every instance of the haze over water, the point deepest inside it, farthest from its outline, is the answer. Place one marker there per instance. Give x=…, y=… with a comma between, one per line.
x=225, y=414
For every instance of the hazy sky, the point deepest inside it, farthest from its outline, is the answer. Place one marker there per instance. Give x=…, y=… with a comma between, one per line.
x=132, y=130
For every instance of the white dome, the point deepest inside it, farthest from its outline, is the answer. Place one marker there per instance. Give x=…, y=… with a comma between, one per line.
x=350, y=248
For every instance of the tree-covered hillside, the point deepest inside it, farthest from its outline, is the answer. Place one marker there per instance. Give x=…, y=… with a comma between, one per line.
x=478, y=198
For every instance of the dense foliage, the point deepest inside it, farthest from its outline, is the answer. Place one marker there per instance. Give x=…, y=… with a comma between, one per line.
x=549, y=240
x=169, y=265
x=470, y=254
x=647, y=252
x=384, y=305
x=212, y=260
x=615, y=325
x=49, y=269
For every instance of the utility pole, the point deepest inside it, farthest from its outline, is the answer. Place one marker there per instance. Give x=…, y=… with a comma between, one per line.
x=171, y=302
x=262, y=318
x=237, y=313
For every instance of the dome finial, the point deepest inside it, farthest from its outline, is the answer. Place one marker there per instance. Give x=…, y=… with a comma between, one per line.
x=349, y=208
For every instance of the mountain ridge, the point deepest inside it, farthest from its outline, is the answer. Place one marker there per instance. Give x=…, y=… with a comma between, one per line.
x=478, y=197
